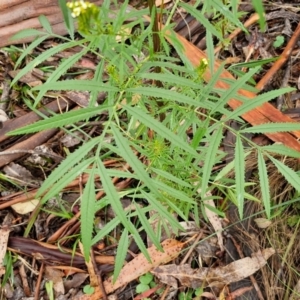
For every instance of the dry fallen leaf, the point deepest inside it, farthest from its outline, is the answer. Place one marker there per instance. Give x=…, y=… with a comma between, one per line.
x=262, y=222
x=161, y=2
x=75, y=281
x=32, y=78
x=56, y=277
x=215, y=222
x=213, y=218
x=203, y=277
x=4, y=234
x=20, y=174
x=26, y=207
x=70, y=140
x=139, y=266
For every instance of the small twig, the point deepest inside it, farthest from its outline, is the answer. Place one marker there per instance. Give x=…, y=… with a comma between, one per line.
x=282, y=59
x=12, y=152
x=165, y=293
x=253, y=19
x=284, y=84
x=38, y=283
x=5, y=93
x=99, y=275
x=199, y=236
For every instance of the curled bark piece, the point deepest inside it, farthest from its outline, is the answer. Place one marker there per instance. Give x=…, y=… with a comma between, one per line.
x=49, y=253
x=29, y=144
x=54, y=106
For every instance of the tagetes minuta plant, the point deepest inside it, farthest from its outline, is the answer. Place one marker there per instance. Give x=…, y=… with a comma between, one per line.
x=87, y=14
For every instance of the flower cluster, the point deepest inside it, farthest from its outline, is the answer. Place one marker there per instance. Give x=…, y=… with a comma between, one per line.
x=79, y=7
x=88, y=16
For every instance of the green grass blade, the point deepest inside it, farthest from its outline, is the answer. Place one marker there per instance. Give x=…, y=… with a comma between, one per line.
x=123, y=245
x=76, y=85
x=282, y=150
x=44, y=56
x=28, y=33
x=160, y=129
x=29, y=49
x=87, y=209
x=202, y=19
x=133, y=161
x=272, y=127
x=106, y=230
x=45, y=23
x=62, y=68
x=147, y=227
x=210, y=158
x=113, y=195
x=61, y=120
x=259, y=7
x=163, y=93
x=290, y=175
x=234, y=87
x=257, y=101
x=68, y=163
x=239, y=168
x=170, y=177
x=253, y=63
x=64, y=180
x=264, y=183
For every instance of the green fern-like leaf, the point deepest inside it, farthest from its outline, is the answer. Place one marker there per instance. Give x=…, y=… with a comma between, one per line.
x=273, y=127
x=114, y=197
x=202, y=19
x=264, y=184
x=210, y=159
x=63, y=180
x=239, y=168
x=68, y=164
x=121, y=253
x=57, y=121
x=67, y=18
x=87, y=209
x=232, y=90
x=76, y=85
x=257, y=101
x=108, y=228
x=63, y=67
x=291, y=176
x=28, y=33
x=160, y=129
x=45, y=23
x=282, y=150
x=44, y=56
x=29, y=49
x=147, y=226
